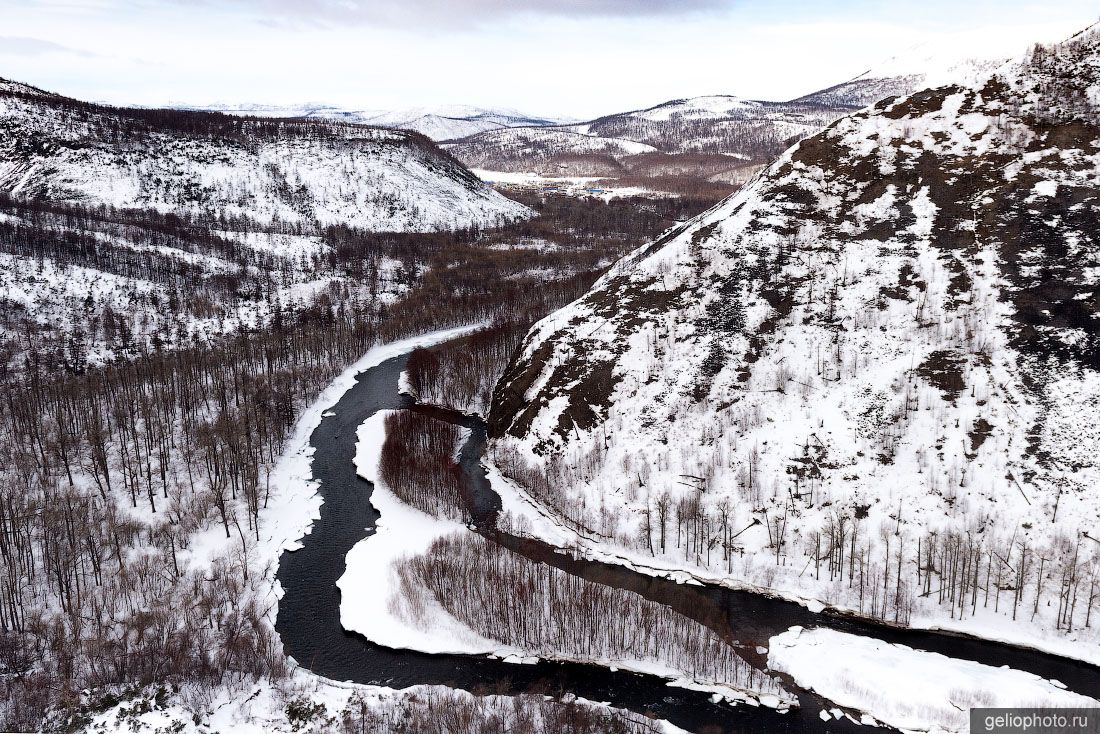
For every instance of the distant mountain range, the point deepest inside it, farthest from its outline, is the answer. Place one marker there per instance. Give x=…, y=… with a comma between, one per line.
x=712, y=143
x=708, y=145
x=438, y=123
x=702, y=144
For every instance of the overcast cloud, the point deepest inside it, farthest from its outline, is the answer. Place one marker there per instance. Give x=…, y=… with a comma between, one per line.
x=467, y=12
x=25, y=46
x=578, y=58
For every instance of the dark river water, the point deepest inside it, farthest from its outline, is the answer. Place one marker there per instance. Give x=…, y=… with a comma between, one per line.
x=309, y=613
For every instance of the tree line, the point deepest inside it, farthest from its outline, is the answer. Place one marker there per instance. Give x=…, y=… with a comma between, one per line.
x=442, y=711
x=545, y=611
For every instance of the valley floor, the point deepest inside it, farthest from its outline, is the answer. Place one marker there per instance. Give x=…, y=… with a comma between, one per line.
x=376, y=604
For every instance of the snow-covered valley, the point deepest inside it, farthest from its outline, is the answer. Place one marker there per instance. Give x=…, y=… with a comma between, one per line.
x=713, y=415
x=158, y=347
x=379, y=602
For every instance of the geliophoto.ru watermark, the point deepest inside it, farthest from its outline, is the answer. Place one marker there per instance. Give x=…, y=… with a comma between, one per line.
x=1034, y=721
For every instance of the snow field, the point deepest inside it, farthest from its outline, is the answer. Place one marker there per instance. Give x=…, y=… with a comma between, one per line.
x=911, y=690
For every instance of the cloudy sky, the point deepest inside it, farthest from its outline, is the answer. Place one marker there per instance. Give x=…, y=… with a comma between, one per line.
x=577, y=58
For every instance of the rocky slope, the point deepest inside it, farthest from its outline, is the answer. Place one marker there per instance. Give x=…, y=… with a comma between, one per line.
x=871, y=377
x=291, y=171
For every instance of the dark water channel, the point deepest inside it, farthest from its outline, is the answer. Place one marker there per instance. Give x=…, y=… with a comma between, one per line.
x=309, y=613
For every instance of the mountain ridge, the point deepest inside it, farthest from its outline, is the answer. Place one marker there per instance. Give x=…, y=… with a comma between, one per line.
x=711, y=141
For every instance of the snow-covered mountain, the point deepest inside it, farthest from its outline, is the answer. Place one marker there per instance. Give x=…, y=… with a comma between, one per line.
x=299, y=171
x=715, y=138
x=438, y=123
x=549, y=150
x=918, y=67
x=123, y=230
x=867, y=88
x=678, y=144
x=456, y=121
x=871, y=377
x=715, y=124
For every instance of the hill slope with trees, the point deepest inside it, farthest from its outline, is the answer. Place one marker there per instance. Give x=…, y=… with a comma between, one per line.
x=869, y=378
x=287, y=172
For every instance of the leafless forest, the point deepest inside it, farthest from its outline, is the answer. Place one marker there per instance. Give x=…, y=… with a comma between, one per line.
x=546, y=611
x=418, y=464
x=884, y=570
x=437, y=712
x=112, y=470
x=535, y=607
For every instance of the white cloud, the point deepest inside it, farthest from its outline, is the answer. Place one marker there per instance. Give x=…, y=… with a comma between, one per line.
x=463, y=13
x=27, y=46
x=569, y=57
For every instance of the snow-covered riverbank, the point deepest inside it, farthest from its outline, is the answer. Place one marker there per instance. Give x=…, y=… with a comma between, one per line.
x=367, y=587
x=527, y=517
x=306, y=704
x=911, y=690
x=294, y=502
x=304, y=701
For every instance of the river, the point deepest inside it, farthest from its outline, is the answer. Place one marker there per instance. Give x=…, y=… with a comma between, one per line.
x=309, y=612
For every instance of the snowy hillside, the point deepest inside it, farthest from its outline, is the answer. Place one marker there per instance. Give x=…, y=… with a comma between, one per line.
x=867, y=88
x=716, y=138
x=11, y=87
x=871, y=377
x=81, y=288
x=715, y=124
x=713, y=139
x=438, y=127
x=123, y=231
x=291, y=171
x=455, y=121
x=438, y=123
x=548, y=149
